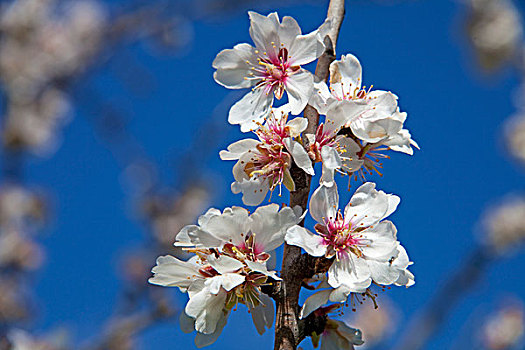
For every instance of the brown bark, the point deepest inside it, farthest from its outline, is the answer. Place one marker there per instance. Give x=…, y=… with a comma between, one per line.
x=289, y=331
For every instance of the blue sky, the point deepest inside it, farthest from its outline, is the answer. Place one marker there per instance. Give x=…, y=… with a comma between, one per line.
x=414, y=48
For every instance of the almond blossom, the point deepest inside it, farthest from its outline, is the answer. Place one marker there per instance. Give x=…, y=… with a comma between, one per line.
x=338, y=336
x=363, y=244
x=229, y=267
x=377, y=127
x=270, y=68
x=264, y=164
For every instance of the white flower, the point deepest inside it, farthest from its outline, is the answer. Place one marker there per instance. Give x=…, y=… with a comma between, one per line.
x=270, y=68
x=265, y=163
x=363, y=244
x=229, y=267
x=372, y=117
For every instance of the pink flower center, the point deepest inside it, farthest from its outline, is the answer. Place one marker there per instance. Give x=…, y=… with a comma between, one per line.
x=273, y=72
x=340, y=237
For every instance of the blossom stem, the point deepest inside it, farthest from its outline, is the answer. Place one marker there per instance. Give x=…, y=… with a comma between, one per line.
x=287, y=327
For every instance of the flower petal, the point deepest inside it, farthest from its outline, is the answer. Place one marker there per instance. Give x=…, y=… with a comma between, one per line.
x=311, y=243
x=253, y=108
x=263, y=314
x=314, y=302
x=324, y=203
x=253, y=190
x=234, y=65
x=237, y=149
x=269, y=226
x=207, y=309
x=300, y=87
x=172, y=272
x=300, y=157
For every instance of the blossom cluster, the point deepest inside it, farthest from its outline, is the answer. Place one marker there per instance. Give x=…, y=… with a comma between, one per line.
x=234, y=250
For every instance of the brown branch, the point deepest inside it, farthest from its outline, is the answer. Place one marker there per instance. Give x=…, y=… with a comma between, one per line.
x=297, y=267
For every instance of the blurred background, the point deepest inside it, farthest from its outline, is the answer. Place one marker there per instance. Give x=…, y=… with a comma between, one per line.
x=111, y=125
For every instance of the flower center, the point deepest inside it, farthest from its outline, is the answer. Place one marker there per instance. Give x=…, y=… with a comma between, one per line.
x=270, y=163
x=273, y=71
x=341, y=238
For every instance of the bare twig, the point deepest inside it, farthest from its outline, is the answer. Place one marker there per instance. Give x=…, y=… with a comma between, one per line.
x=287, y=327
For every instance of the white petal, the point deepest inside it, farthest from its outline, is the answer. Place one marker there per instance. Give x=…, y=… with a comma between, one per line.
x=300, y=157
x=312, y=244
x=340, y=294
x=263, y=314
x=324, y=203
x=368, y=206
x=224, y=264
x=348, y=271
x=203, y=219
x=229, y=226
x=306, y=48
x=339, y=114
x=234, y=65
x=253, y=108
x=380, y=240
x=202, y=340
x=382, y=272
x=172, y=272
x=264, y=31
x=227, y=281
x=331, y=158
x=300, y=87
x=206, y=309
x=182, y=239
x=314, y=302
x=187, y=323
x=321, y=97
x=346, y=74
x=269, y=226
x=237, y=149
x=297, y=126
x=288, y=31
x=254, y=190
x=260, y=267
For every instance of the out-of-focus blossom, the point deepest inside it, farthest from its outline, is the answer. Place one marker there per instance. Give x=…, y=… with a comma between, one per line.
x=22, y=340
x=43, y=44
x=338, y=335
x=170, y=213
x=504, y=329
x=515, y=137
x=14, y=304
x=375, y=323
x=495, y=31
x=20, y=207
x=17, y=250
x=270, y=68
x=504, y=225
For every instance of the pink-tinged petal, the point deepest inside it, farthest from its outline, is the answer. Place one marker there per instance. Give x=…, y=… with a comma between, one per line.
x=300, y=157
x=237, y=149
x=314, y=302
x=234, y=66
x=300, y=87
x=263, y=314
x=324, y=203
x=252, y=109
x=311, y=243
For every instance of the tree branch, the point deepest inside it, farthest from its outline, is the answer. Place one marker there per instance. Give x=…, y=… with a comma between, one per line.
x=296, y=267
